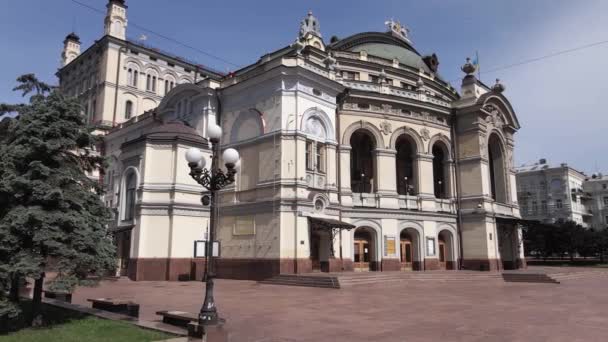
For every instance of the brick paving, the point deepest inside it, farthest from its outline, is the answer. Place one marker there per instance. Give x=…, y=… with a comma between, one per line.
x=393, y=311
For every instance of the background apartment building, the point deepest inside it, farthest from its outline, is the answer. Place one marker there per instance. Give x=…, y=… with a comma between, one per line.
x=597, y=187
x=548, y=193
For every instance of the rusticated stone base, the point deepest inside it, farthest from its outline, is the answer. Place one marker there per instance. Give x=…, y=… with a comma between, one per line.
x=183, y=269
x=514, y=265
x=375, y=266
x=391, y=265
x=173, y=269
x=482, y=264
x=521, y=263
x=250, y=269
x=348, y=265
x=431, y=264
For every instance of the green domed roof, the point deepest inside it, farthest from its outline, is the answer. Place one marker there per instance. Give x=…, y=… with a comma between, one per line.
x=387, y=51
x=384, y=45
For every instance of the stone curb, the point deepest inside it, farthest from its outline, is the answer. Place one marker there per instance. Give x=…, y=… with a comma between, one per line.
x=155, y=326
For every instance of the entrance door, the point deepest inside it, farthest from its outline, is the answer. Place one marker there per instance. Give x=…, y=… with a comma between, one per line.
x=362, y=255
x=124, y=248
x=406, y=255
x=315, y=242
x=442, y=255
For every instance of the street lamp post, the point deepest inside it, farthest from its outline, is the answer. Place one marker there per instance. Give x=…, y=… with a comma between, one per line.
x=212, y=179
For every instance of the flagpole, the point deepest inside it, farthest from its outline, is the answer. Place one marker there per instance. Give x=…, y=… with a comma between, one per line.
x=478, y=65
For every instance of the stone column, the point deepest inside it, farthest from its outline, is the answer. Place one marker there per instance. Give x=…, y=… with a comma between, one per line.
x=426, y=190
x=344, y=174
x=386, y=177
x=331, y=172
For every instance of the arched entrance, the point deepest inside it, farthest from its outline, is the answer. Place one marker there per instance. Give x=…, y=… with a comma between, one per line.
x=409, y=249
x=407, y=252
x=364, y=249
x=445, y=250
x=406, y=166
x=362, y=168
x=440, y=170
x=498, y=184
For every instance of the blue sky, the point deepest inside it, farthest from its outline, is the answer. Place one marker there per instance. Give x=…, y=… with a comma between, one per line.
x=557, y=99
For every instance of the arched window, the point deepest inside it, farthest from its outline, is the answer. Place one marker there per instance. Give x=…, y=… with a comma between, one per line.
x=440, y=170
x=132, y=75
x=149, y=82
x=362, y=171
x=130, y=188
x=128, y=109
x=406, y=166
x=496, y=166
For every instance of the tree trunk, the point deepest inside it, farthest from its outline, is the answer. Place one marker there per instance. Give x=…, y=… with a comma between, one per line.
x=36, y=317
x=15, y=287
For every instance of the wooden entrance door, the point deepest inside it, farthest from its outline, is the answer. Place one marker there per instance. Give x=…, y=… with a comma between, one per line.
x=362, y=255
x=407, y=255
x=442, y=255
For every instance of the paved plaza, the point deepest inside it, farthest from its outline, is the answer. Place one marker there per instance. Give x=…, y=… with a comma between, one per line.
x=491, y=310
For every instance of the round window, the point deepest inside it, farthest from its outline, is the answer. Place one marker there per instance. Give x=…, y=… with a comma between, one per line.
x=319, y=205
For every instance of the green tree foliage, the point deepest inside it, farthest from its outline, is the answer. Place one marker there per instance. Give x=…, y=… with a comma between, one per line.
x=564, y=238
x=50, y=210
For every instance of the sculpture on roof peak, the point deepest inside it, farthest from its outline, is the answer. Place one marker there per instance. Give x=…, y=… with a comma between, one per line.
x=310, y=24
x=398, y=29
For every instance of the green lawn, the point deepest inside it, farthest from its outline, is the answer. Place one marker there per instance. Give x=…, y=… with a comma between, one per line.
x=88, y=329
x=66, y=326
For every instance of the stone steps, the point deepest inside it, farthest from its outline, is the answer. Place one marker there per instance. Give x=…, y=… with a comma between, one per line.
x=307, y=281
x=579, y=275
x=540, y=278
x=418, y=277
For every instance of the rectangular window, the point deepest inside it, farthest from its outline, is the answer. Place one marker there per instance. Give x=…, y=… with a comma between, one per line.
x=309, y=160
x=534, y=207
x=320, y=158
x=543, y=206
x=605, y=186
x=374, y=78
x=558, y=204
x=389, y=81
x=350, y=75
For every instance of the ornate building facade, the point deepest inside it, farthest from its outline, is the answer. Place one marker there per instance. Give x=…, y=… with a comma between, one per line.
x=355, y=155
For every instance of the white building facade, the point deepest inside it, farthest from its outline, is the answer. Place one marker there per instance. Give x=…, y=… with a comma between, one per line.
x=355, y=156
x=597, y=187
x=551, y=193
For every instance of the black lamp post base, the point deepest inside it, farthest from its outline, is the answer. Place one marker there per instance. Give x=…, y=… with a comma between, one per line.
x=209, y=333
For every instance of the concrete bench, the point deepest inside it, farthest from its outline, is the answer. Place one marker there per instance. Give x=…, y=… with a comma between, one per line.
x=62, y=296
x=121, y=306
x=178, y=318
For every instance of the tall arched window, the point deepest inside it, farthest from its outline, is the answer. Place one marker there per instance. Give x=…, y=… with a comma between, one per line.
x=496, y=166
x=130, y=188
x=406, y=166
x=130, y=76
x=362, y=171
x=128, y=109
x=440, y=170
x=135, y=78
x=149, y=82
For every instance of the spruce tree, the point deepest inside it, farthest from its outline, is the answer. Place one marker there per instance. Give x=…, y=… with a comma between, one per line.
x=50, y=210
